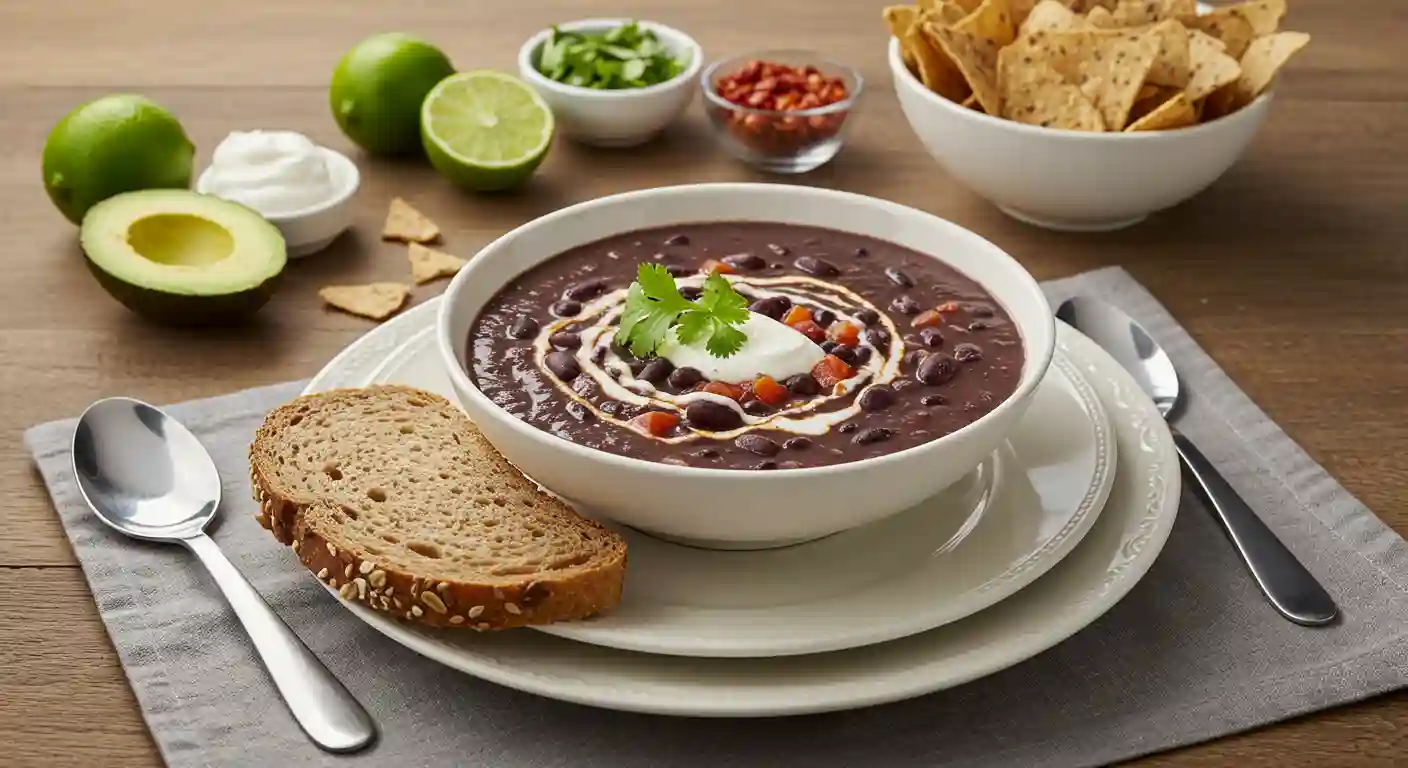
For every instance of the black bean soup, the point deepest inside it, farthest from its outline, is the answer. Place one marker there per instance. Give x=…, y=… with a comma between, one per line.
x=906, y=349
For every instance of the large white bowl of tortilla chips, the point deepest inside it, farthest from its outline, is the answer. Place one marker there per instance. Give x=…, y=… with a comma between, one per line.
x=1086, y=121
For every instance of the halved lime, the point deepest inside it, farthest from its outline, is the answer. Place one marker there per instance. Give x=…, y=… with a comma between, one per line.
x=485, y=130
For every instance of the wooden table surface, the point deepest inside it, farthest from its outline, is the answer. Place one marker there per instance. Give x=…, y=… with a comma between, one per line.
x=1291, y=271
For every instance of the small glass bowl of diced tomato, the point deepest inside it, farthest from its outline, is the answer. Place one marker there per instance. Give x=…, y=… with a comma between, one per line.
x=780, y=111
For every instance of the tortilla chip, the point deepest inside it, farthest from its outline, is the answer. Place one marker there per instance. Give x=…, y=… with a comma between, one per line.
x=1172, y=65
x=976, y=59
x=376, y=301
x=1111, y=69
x=1038, y=95
x=992, y=21
x=968, y=6
x=899, y=18
x=1232, y=30
x=429, y=264
x=1020, y=10
x=1263, y=59
x=947, y=12
x=1263, y=15
x=408, y=225
x=1212, y=68
x=1177, y=112
x=1138, y=13
x=1150, y=98
x=935, y=70
x=1100, y=18
x=1050, y=14
x=1217, y=103
x=972, y=103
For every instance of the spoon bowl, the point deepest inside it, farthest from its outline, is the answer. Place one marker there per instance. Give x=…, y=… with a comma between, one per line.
x=145, y=475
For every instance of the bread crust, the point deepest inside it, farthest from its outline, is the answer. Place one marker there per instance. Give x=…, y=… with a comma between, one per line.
x=407, y=595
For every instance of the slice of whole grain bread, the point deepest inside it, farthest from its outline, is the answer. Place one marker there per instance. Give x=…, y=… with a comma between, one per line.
x=394, y=498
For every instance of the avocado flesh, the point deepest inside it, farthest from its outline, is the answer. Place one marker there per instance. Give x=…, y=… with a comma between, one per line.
x=183, y=258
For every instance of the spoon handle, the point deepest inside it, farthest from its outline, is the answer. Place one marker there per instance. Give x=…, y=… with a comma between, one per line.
x=323, y=708
x=1292, y=590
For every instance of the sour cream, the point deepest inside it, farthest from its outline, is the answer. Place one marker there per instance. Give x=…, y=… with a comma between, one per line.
x=772, y=349
x=274, y=172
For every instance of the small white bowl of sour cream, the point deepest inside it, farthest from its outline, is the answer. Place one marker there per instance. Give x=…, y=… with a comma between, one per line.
x=303, y=189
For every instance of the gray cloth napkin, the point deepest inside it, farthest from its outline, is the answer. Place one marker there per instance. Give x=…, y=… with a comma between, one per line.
x=1193, y=653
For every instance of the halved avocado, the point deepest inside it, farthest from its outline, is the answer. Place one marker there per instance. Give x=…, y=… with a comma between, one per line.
x=183, y=258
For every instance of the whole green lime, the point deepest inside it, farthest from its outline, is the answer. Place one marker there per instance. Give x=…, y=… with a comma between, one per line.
x=378, y=87
x=116, y=144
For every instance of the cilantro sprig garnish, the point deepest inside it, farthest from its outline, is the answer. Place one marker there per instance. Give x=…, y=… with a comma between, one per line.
x=654, y=306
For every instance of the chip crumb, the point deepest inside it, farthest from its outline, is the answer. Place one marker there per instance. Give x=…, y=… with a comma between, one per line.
x=406, y=224
x=428, y=264
x=375, y=301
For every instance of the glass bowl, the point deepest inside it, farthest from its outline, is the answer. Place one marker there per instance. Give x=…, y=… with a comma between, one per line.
x=796, y=139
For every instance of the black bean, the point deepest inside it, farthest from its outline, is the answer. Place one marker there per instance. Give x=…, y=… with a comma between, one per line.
x=868, y=317
x=757, y=408
x=967, y=353
x=565, y=340
x=679, y=270
x=938, y=368
x=899, y=277
x=878, y=337
x=978, y=325
x=861, y=253
x=677, y=240
x=847, y=428
x=745, y=261
x=579, y=412
x=773, y=306
x=846, y=353
x=637, y=366
x=686, y=377
x=827, y=346
x=875, y=399
x=563, y=365
x=979, y=310
x=585, y=290
x=913, y=358
x=797, y=444
x=610, y=407
x=757, y=444
x=765, y=465
x=566, y=308
x=584, y=386
x=932, y=337
x=905, y=305
x=816, y=267
x=873, y=435
x=628, y=411
x=523, y=327
x=777, y=249
x=712, y=417
x=902, y=384
x=691, y=292
x=862, y=355
x=599, y=355
x=708, y=453
x=823, y=317
x=932, y=400
x=803, y=384
x=657, y=370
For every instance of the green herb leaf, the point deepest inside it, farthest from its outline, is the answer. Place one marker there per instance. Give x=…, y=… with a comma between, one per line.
x=654, y=306
x=639, y=58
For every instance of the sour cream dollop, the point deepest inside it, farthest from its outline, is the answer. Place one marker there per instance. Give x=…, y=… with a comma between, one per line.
x=273, y=172
x=772, y=349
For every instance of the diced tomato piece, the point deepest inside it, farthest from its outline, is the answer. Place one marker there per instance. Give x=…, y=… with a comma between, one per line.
x=657, y=423
x=844, y=333
x=766, y=389
x=724, y=389
x=714, y=265
x=927, y=318
x=797, y=314
x=811, y=330
x=949, y=306
x=831, y=371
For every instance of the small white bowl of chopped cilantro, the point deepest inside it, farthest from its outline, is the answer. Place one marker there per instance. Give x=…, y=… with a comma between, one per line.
x=612, y=82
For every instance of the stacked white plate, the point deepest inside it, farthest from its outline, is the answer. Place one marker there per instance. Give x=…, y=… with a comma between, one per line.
x=1045, y=536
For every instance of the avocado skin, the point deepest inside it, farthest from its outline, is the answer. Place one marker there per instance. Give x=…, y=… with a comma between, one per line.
x=186, y=310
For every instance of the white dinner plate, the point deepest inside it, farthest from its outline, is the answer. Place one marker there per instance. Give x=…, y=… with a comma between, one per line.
x=992, y=533
x=1109, y=561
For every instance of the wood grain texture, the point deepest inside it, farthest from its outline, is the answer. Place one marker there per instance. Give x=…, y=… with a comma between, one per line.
x=1291, y=271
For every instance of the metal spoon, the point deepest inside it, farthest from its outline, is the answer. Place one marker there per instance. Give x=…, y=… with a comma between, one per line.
x=1286, y=583
x=145, y=475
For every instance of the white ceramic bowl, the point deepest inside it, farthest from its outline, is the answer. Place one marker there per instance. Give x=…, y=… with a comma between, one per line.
x=314, y=228
x=616, y=118
x=742, y=508
x=1072, y=180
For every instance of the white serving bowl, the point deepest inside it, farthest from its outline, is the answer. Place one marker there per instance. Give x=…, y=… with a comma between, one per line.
x=314, y=228
x=742, y=509
x=1072, y=180
x=615, y=118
